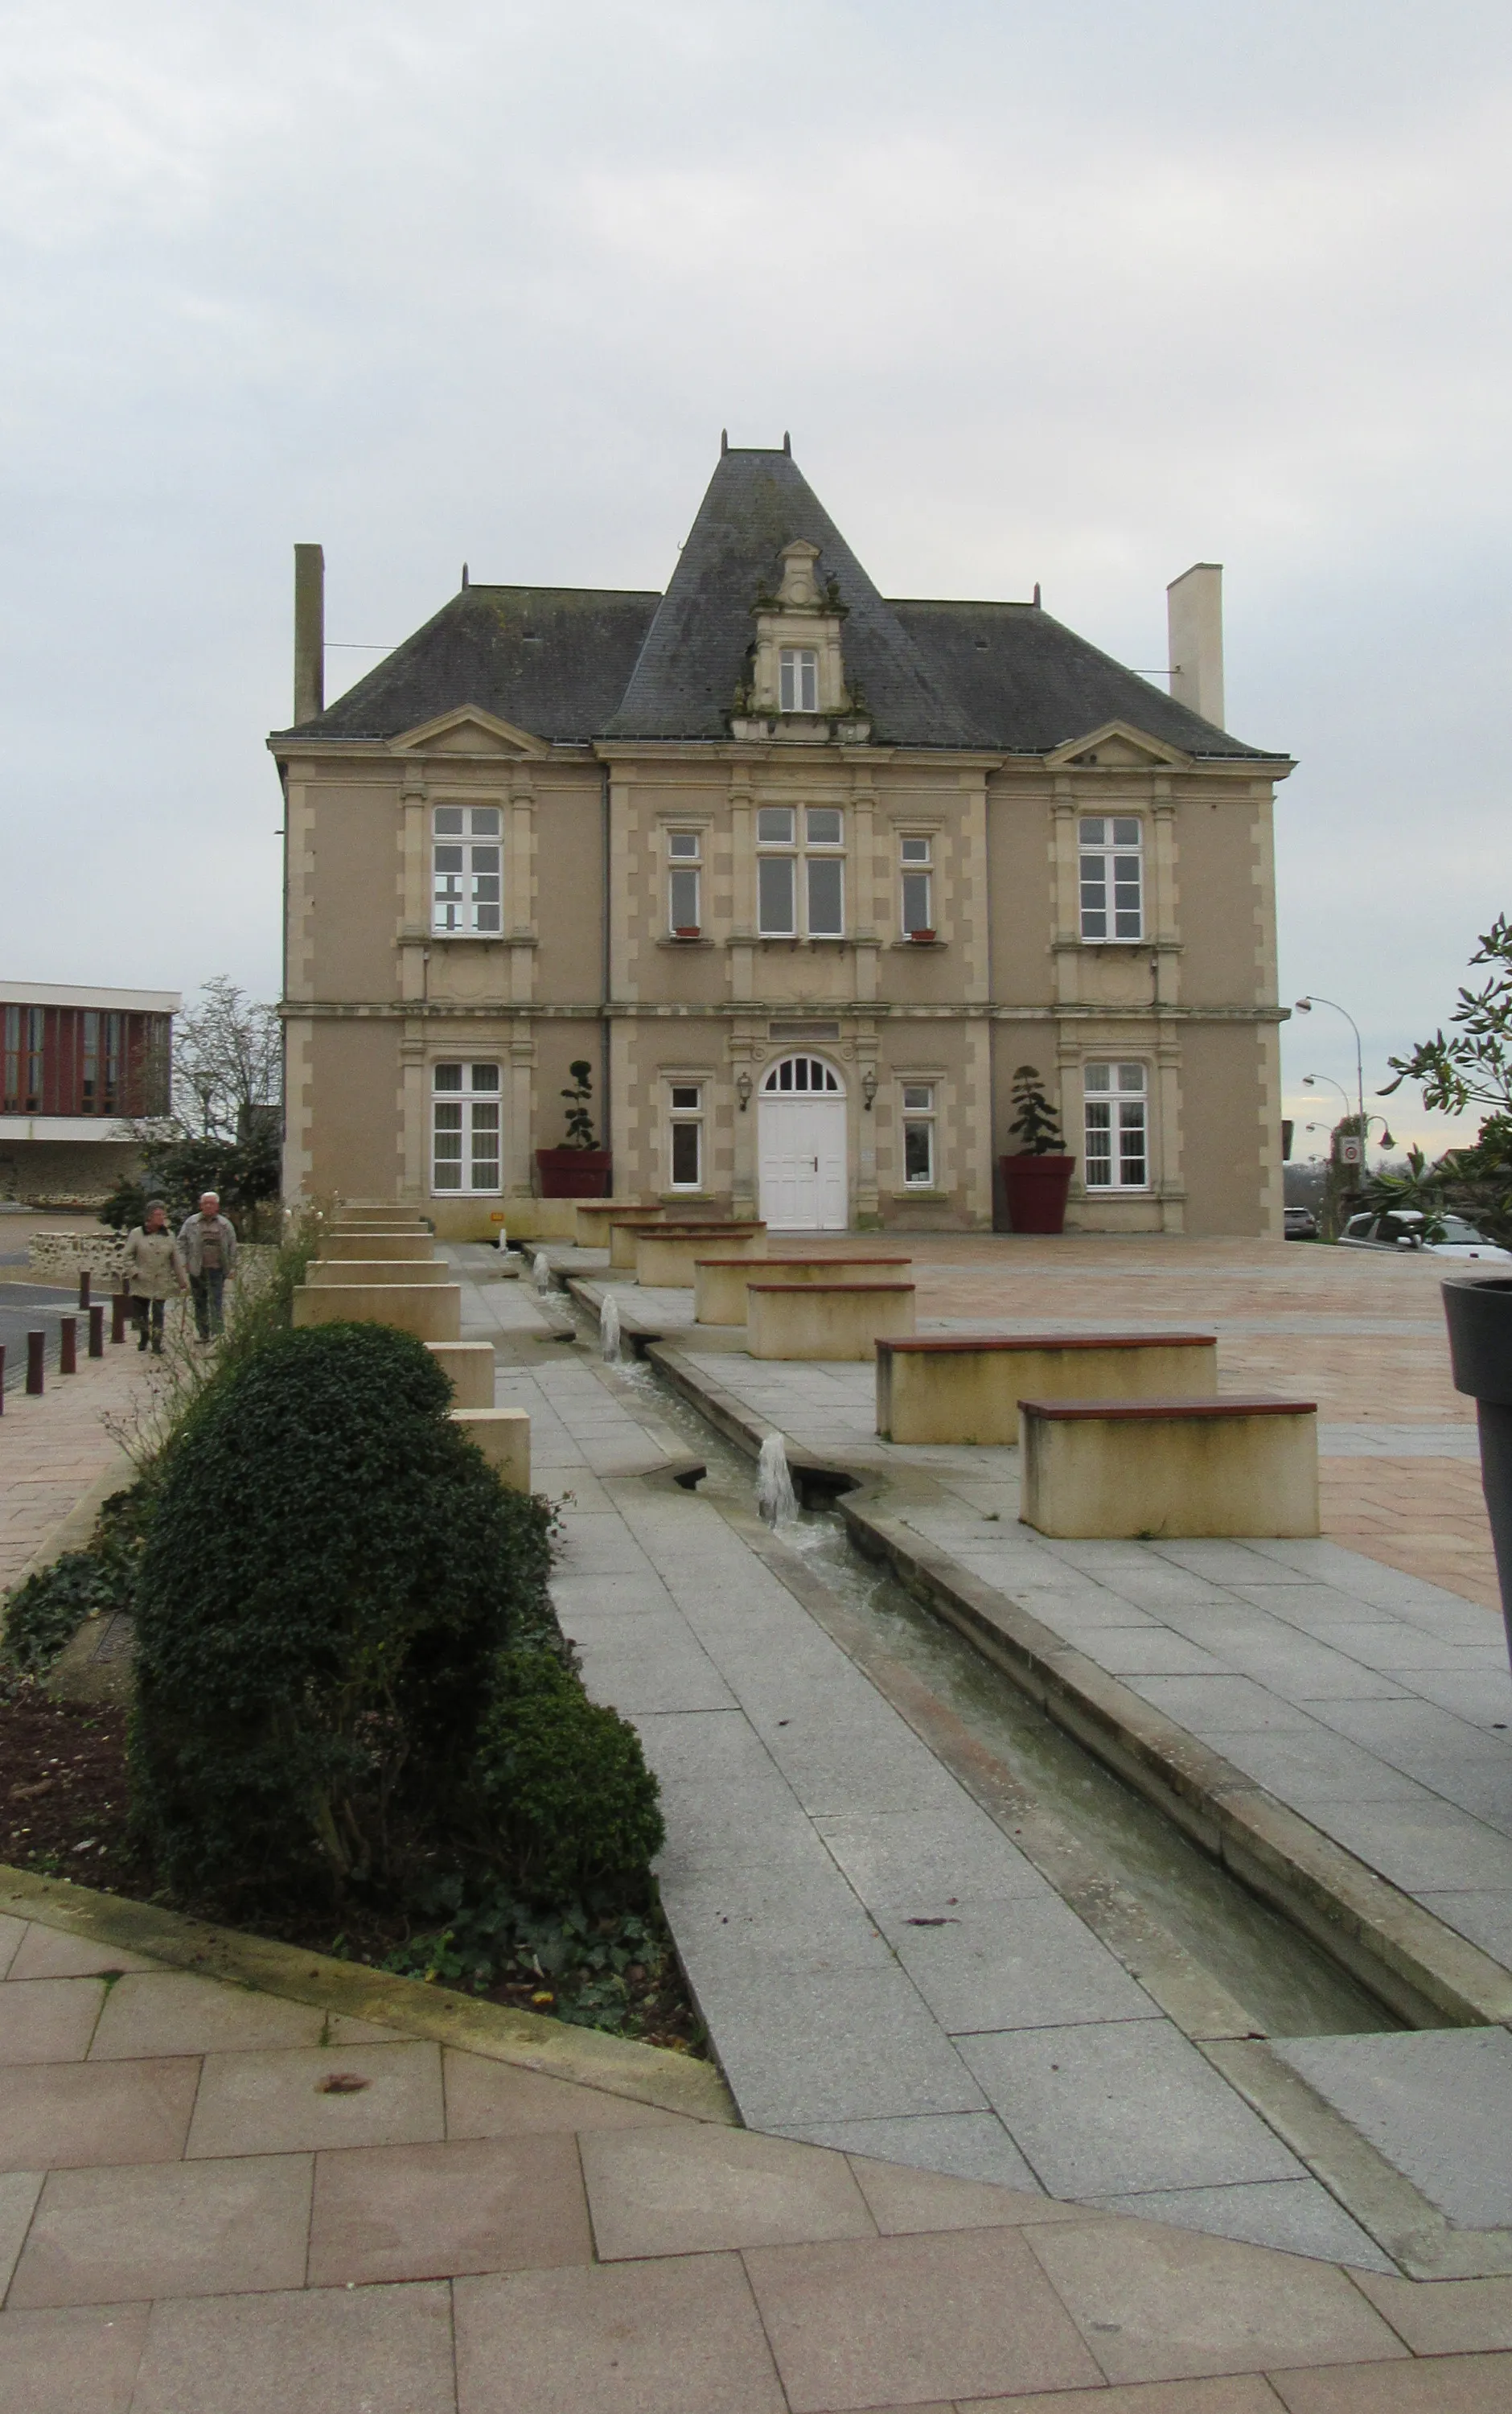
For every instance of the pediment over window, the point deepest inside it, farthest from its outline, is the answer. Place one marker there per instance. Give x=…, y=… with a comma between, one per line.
x=469, y=730
x=1116, y=746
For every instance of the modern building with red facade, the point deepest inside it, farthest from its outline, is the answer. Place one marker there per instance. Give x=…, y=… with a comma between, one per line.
x=75, y=1064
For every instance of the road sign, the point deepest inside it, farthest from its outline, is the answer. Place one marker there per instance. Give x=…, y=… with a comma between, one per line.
x=1351, y=1149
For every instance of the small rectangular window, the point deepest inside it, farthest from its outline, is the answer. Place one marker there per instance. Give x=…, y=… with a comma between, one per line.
x=918, y=1135
x=775, y=826
x=686, y=1099
x=776, y=896
x=683, y=845
x=915, y=850
x=821, y=826
x=827, y=897
x=1111, y=877
x=798, y=679
x=466, y=871
x=1116, y=1126
x=466, y=1128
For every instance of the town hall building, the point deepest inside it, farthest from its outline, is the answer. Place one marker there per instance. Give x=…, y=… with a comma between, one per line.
x=803, y=872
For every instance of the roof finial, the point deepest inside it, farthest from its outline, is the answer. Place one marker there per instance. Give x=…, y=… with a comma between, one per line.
x=1036, y=590
x=787, y=439
x=464, y=574
x=724, y=442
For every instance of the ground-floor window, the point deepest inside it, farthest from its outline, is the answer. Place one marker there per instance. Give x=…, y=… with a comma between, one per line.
x=686, y=1124
x=465, y=1131
x=1118, y=1127
x=918, y=1136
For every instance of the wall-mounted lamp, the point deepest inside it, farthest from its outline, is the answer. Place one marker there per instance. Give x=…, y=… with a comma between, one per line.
x=744, y=1086
x=869, y=1087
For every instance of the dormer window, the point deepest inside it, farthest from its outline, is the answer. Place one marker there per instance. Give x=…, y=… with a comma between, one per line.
x=799, y=680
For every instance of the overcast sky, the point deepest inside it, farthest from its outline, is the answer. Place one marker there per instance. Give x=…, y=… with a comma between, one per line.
x=1077, y=294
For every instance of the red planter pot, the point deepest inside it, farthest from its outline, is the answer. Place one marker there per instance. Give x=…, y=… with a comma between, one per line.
x=1036, y=1189
x=574, y=1173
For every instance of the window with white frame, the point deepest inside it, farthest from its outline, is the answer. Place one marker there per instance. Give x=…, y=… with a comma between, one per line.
x=797, y=673
x=686, y=1121
x=684, y=854
x=1112, y=877
x=800, y=860
x=466, y=871
x=918, y=1136
x=1117, y=1120
x=917, y=855
x=466, y=1129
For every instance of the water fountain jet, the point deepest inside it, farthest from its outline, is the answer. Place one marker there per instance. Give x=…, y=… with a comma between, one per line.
x=609, y=1341
x=776, y=1503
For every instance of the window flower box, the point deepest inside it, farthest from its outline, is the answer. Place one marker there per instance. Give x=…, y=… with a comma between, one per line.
x=687, y=931
x=921, y=938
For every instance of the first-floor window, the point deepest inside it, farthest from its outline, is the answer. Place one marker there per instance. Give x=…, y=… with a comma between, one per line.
x=466, y=870
x=918, y=886
x=685, y=852
x=1118, y=1127
x=687, y=1105
x=465, y=1128
x=918, y=1135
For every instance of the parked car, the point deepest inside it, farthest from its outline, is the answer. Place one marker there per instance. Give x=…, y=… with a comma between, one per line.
x=1300, y=1224
x=1402, y=1227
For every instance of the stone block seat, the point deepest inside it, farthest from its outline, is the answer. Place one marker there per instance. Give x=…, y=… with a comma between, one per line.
x=623, y=1228
x=966, y=1387
x=664, y=1257
x=431, y=1311
x=593, y=1218
x=824, y=1319
x=1156, y=1470
x=377, y=1269
x=503, y=1435
x=719, y=1282
x=378, y=1241
x=468, y=1366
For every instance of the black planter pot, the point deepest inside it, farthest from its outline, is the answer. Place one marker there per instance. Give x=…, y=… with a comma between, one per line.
x=1480, y=1318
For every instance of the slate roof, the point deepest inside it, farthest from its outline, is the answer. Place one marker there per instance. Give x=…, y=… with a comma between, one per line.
x=574, y=664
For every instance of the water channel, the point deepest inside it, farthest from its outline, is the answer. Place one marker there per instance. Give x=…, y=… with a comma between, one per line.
x=1291, y=1987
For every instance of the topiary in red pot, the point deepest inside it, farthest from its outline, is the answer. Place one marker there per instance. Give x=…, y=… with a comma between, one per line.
x=1038, y=1178
x=577, y=1169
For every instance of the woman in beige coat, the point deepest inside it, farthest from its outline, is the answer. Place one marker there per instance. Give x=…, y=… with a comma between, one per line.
x=154, y=1268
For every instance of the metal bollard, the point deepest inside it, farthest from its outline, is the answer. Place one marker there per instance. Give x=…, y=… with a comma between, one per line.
x=2, y=1379
x=96, y=1331
x=67, y=1345
x=118, y=1316
x=35, y=1344
x=83, y=1287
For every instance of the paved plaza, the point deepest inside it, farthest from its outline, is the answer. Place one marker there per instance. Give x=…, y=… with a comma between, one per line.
x=997, y=2148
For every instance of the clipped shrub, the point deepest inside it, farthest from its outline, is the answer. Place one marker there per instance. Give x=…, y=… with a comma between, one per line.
x=331, y=1572
x=560, y=1793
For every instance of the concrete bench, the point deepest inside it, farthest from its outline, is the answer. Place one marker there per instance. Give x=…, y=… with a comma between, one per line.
x=664, y=1259
x=966, y=1387
x=372, y=1221
x=625, y=1230
x=469, y=1367
x=1156, y=1470
x=431, y=1311
x=379, y=1243
x=719, y=1282
x=503, y=1435
x=379, y=1269
x=828, y=1319
x=592, y=1217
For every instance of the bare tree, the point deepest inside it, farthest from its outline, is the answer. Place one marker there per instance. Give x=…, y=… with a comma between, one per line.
x=228, y=1063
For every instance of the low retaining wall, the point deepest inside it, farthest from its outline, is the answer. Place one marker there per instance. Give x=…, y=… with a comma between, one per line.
x=967, y=1387
x=664, y=1259
x=592, y=1217
x=503, y=1435
x=326, y=1271
x=379, y=1241
x=824, y=1319
x=625, y=1230
x=468, y=1365
x=63, y=1257
x=1158, y=1469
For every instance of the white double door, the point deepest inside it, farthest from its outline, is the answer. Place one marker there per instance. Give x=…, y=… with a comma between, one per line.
x=803, y=1164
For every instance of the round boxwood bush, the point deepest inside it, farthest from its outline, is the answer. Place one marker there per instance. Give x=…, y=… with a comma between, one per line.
x=330, y=1571
x=559, y=1793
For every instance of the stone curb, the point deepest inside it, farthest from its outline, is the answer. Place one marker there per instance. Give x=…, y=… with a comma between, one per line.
x=1413, y=1963
x=644, y=2074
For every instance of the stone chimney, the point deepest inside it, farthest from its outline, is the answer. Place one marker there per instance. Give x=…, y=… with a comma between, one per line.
x=309, y=633
x=1194, y=618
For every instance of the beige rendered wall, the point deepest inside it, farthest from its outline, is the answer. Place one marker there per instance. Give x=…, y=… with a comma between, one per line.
x=1232, y=1116
x=350, y=1108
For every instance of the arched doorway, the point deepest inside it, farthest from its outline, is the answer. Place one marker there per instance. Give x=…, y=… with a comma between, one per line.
x=801, y=1143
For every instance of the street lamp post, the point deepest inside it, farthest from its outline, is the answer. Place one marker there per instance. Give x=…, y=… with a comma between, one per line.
x=1305, y=1005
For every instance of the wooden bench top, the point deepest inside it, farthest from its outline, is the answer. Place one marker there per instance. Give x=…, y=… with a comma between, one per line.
x=768, y=1262
x=943, y=1343
x=1124, y=1412
x=703, y=1231
x=822, y=1291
